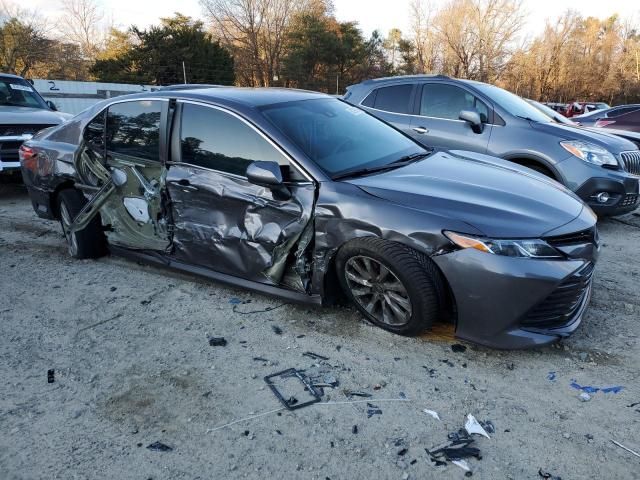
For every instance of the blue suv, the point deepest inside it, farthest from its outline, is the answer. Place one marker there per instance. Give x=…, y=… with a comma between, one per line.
x=452, y=114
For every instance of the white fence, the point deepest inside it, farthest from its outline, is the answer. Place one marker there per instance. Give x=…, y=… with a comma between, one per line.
x=74, y=97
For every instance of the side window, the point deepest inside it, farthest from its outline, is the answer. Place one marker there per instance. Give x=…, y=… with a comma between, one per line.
x=217, y=140
x=391, y=99
x=133, y=129
x=94, y=132
x=621, y=111
x=446, y=101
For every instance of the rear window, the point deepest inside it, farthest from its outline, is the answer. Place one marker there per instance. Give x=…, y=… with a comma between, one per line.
x=395, y=99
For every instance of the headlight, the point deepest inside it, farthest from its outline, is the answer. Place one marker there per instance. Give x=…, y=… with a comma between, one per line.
x=526, y=248
x=589, y=152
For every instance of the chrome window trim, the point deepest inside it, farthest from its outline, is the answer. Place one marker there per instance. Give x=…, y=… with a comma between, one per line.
x=286, y=155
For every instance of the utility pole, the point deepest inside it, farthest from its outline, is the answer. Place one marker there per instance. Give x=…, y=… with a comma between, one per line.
x=184, y=73
x=338, y=83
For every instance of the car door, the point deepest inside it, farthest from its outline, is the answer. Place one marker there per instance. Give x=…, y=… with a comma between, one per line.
x=438, y=125
x=120, y=161
x=223, y=222
x=393, y=104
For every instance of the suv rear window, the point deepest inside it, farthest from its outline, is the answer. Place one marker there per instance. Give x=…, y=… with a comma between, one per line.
x=393, y=99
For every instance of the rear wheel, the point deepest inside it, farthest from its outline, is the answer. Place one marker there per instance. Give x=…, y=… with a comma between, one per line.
x=393, y=286
x=88, y=242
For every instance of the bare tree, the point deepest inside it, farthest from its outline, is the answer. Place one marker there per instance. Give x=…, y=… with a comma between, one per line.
x=23, y=39
x=254, y=31
x=81, y=23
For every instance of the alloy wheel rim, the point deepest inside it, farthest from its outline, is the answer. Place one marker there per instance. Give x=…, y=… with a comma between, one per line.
x=72, y=241
x=378, y=290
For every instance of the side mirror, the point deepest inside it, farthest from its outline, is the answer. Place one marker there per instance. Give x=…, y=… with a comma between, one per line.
x=52, y=105
x=268, y=174
x=265, y=174
x=473, y=119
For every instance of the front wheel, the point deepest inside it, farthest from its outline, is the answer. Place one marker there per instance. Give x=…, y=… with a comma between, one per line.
x=88, y=242
x=393, y=286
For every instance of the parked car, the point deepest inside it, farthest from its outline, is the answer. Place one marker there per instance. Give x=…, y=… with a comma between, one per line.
x=304, y=196
x=622, y=117
x=626, y=134
x=23, y=112
x=453, y=114
x=561, y=108
x=580, y=108
x=554, y=115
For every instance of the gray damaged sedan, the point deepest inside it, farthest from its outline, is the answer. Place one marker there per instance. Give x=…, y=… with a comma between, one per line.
x=303, y=196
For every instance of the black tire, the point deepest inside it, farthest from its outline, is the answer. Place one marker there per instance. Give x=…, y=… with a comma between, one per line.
x=89, y=242
x=538, y=168
x=416, y=273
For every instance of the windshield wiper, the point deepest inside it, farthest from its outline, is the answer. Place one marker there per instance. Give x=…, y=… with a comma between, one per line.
x=401, y=162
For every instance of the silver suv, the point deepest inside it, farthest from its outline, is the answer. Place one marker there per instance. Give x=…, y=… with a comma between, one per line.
x=452, y=114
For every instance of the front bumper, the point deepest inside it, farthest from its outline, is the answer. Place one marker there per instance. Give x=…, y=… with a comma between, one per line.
x=499, y=299
x=588, y=180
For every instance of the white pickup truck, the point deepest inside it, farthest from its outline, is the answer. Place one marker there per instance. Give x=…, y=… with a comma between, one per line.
x=23, y=112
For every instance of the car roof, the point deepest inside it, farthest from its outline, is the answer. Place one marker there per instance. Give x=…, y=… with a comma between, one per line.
x=10, y=75
x=248, y=97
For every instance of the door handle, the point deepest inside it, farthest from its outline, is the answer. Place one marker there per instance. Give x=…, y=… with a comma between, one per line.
x=420, y=130
x=184, y=182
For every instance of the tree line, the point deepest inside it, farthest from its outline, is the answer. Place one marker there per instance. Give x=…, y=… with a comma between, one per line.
x=301, y=44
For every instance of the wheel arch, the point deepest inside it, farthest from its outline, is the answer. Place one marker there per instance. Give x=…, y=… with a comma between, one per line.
x=527, y=159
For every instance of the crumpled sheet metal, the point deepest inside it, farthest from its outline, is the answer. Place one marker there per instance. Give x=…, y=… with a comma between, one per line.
x=228, y=224
x=341, y=214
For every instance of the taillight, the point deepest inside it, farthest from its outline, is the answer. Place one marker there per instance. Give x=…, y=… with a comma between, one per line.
x=604, y=123
x=28, y=158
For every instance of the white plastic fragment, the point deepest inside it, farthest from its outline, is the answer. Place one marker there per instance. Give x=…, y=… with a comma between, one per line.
x=473, y=426
x=584, y=397
x=433, y=413
x=463, y=464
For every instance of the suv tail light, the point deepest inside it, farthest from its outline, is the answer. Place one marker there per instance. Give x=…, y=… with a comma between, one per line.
x=28, y=158
x=604, y=123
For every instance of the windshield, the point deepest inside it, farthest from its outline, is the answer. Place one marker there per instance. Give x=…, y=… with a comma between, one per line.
x=339, y=137
x=512, y=103
x=550, y=112
x=16, y=92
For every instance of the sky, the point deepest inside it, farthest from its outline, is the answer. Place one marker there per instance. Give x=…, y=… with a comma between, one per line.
x=370, y=14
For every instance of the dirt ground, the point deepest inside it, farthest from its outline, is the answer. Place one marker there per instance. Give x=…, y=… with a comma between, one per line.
x=133, y=366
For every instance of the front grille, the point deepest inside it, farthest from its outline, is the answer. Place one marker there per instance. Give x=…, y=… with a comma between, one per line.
x=17, y=130
x=577, y=238
x=564, y=302
x=631, y=161
x=629, y=200
x=9, y=151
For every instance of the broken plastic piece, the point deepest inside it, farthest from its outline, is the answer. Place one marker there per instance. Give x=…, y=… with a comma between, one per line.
x=373, y=410
x=159, y=447
x=433, y=413
x=315, y=356
x=463, y=464
x=51, y=376
x=235, y=301
x=551, y=376
x=544, y=474
x=217, y=341
x=473, y=426
x=292, y=403
x=590, y=389
x=355, y=393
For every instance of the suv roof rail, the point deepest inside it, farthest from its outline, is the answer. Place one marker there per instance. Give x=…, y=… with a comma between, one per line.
x=405, y=77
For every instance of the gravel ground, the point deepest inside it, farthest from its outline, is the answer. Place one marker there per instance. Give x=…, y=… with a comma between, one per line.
x=133, y=366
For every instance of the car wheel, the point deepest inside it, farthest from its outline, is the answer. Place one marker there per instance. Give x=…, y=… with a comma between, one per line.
x=393, y=286
x=88, y=242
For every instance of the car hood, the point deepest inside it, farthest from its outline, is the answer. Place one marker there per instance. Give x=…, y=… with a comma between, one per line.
x=500, y=199
x=575, y=132
x=31, y=116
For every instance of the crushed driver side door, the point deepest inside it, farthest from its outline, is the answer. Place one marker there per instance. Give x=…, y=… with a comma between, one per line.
x=122, y=162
